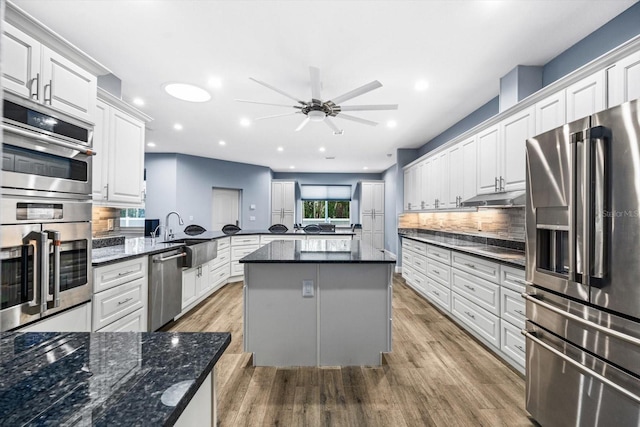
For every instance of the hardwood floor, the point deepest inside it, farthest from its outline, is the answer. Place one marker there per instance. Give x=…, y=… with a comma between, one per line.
x=436, y=375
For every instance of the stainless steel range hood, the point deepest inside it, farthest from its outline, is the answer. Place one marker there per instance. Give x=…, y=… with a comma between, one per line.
x=507, y=199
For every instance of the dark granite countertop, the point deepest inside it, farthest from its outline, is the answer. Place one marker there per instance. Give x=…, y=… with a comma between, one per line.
x=104, y=378
x=318, y=251
x=140, y=246
x=501, y=250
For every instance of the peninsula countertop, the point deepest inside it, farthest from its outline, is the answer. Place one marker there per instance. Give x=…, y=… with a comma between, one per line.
x=318, y=251
x=100, y=379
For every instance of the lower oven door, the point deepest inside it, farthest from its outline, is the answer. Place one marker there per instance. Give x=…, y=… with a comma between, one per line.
x=70, y=279
x=568, y=386
x=19, y=271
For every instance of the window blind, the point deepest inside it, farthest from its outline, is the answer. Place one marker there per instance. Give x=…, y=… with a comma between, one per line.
x=325, y=192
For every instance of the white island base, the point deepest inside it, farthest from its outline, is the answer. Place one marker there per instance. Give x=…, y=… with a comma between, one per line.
x=317, y=314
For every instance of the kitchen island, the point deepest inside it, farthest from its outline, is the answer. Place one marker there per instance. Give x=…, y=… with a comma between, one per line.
x=103, y=379
x=317, y=303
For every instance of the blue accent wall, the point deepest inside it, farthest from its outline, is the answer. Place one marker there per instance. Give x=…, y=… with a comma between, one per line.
x=188, y=188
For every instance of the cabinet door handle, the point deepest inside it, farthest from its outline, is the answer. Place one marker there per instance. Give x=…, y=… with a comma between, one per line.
x=50, y=86
x=501, y=183
x=471, y=288
x=124, y=273
x=106, y=192
x=125, y=301
x=36, y=81
x=495, y=185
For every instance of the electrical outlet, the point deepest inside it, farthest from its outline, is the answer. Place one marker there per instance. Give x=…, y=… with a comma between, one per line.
x=307, y=288
x=252, y=207
x=252, y=218
x=190, y=217
x=110, y=224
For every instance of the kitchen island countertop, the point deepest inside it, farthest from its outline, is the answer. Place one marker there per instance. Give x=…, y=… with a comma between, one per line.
x=100, y=379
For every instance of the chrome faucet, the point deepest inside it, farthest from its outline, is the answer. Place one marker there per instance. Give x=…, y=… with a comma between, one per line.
x=167, y=231
x=154, y=233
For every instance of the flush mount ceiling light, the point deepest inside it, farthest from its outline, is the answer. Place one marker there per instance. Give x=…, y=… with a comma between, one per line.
x=177, y=126
x=187, y=92
x=280, y=149
x=392, y=123
x=138, y=101
x=421, y=85
x=222, y=143
x=151, y=144
x=245, y=122
x=321, y=149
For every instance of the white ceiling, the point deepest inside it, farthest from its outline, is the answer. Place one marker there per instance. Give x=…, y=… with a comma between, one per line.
x=461, y=47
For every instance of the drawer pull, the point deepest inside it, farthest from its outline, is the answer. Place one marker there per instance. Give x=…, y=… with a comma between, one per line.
x=125, y=301
x=522, y=282
x=471, y=288
x=519, y=347
x=520, y=312
x=470, y=265
x=124, y=273
x=436, y=271
x=470, y=315
x=436, y=293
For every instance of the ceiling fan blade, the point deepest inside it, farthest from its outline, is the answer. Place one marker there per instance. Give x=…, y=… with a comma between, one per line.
x=315, y=82
x=336, y=129
x=303, y=124
x=278, y=90
x=368, y=107
x=278, y=115
x=267, y=103
x=357, y=119
x=357, y=92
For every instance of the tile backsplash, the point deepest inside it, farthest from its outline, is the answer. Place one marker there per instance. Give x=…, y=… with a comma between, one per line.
x=105, y=221
x=505, y=223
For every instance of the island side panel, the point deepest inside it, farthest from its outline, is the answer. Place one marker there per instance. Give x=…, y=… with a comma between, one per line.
x=355, y=318
x=280, y=325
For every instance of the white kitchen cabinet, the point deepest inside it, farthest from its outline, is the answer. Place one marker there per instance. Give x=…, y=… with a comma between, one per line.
x=462, y=172
x=426, y=188
x=501, y=153
x=33, y=70
x=242, y=246
x=76, y=319
x=372, y=213
x=440, y=180
x=118, y=167
x=623, y=80
x=412, y=188
x=551, y=112
x=586, y=96
x=195, y=283
x=283, y=202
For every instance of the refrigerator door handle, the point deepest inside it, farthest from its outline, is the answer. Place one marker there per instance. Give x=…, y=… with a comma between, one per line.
x=575, y=270
x=599, y=139
x=54, y=236
x=582, y=368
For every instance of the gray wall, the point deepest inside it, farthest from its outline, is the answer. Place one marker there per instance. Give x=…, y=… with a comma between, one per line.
x=390, y=177
x=351, y=179
x=188, y=186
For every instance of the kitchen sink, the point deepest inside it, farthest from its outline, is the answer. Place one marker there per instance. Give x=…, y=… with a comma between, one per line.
x=198, y=251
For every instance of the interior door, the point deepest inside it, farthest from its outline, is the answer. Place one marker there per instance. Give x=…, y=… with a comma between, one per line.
x=226, y=207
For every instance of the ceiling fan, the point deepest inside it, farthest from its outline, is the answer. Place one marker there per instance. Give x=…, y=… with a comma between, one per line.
x=317, y=110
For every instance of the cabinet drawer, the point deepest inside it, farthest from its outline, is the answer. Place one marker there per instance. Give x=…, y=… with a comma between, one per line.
x=415, y=246
x=222, y=258
x=408, y=274
x=439, y=294
x=439, y=271
x=220, y=274
x=438, y=253
x=111, y=275
x=268, y=239
x=485, y=324
x=223, y=243
x=407, y=259
x=237, y=269
x=478, y=291
x=132, y=322
x=238, y=252
x=477, y=266
x=245, y=240
x=419, y=281
x=512, y=343
x=512, y=278
x=420, y=263
x=513, y=307
x=115, y=303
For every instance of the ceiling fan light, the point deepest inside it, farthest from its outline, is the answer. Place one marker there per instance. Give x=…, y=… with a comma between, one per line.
x=316, y=116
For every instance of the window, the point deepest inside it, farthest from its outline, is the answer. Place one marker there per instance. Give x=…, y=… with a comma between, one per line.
x=330, y=211
x=132, y=217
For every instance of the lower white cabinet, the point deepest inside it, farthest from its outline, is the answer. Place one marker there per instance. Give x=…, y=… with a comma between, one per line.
x=242, y=246
x=512, y=343
x=480, y=321
x=439, y=294
x=77, y=319
x=120, y=296
x=195, y=283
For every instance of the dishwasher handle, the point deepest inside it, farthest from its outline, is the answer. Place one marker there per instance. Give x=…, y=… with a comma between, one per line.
x=181, y=254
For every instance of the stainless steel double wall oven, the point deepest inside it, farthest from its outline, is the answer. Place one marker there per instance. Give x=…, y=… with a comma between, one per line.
x=583, y=269
x=45, y=212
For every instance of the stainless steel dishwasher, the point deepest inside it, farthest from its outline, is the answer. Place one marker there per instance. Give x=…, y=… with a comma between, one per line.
x=165, y=287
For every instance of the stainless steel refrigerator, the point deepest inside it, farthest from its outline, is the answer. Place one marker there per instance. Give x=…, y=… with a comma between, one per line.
x=583, y=271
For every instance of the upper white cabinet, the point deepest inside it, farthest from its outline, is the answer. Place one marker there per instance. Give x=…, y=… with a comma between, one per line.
x=462, y=172
x=118, y=167
x=33, y=70
x=586, y=96
x=551, y=112
x=439, y=181
x=283, y=202
x=372, y=213
x=623, y=80
x=488, y=160
x=514, y=132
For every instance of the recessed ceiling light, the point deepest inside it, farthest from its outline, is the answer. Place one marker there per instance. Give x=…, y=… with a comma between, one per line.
x=280, y=149
x=245, y=122
x=151, y=144
x=177, y=126
x=322, y=149
x=366, y=168
x=187, y=92
x=222, y=142
x=292, y=167
x=421, y=85
x=392, y=123
x=138, y=101
x=215, y=82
